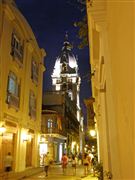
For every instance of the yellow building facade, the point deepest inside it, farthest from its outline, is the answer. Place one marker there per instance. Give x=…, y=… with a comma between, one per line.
x=21, y=77
x=111, y=27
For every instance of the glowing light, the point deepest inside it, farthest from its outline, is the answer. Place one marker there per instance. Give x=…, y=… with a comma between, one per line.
x=60, y=152
x=92, y=132
x=57, y=87
x=43, y=149
x=72, y=62
x=2, y=129
x=26, y=137
x=74, y=79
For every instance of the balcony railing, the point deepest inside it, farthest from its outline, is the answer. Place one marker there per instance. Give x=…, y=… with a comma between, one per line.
x=13, y=101
x=53, y=131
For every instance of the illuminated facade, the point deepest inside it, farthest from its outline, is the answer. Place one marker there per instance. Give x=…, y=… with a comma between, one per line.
x=91, y=124
x=111, y=27
x=21, y=70
x=64, y=99
x=65, y=75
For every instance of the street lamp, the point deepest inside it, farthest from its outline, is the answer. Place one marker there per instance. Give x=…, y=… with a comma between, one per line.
x=92, y=132
x=2, y=130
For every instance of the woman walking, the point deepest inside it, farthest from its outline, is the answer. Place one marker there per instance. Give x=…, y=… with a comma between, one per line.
x=64, y=161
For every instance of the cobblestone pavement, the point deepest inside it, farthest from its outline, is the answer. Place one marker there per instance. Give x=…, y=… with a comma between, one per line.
x=55, y=173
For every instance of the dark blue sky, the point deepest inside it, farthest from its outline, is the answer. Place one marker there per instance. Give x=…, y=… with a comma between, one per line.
x=49, y=21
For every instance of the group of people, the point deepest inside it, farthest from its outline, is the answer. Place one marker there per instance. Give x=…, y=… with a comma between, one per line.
x=87, y=162
x=74, y=160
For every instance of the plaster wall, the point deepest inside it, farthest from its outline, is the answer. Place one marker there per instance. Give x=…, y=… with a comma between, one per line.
x=117, y=40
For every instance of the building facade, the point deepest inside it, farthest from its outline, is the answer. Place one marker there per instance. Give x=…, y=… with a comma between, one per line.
x=64, y=99
x=90, y=133
x=65, y=77
x=21, y=70
x=111, y=27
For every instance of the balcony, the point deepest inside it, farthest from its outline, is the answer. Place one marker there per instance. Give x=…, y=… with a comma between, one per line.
x=53, y=131
x=13, y=101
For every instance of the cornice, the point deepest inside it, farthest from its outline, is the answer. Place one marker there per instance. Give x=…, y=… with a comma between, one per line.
x=9, y=12
x=97, y=9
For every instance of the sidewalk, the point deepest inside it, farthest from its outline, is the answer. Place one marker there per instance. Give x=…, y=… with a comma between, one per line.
x=55, y=173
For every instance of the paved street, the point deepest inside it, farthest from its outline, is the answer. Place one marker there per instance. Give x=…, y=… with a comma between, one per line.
x=55, y=172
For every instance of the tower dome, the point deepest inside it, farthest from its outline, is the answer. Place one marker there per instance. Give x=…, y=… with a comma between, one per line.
x=66, y=61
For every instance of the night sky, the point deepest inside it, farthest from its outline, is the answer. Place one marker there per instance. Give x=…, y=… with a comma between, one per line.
x=50, y=20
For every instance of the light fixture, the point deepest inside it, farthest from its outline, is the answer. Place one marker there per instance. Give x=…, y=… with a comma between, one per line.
x=92, y=132
x=26, y=137
x=2, y=129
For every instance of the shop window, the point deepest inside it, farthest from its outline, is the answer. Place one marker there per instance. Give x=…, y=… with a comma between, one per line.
x=16, y=48
x=13, y=90
x=32, y=105
x=34, y=71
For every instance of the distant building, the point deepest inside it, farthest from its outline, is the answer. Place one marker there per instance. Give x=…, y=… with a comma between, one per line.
x=64, y=99
x=21, y=70
x=90, y=133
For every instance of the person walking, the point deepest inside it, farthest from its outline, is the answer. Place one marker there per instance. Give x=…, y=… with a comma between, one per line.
x=74, y=163
x=86, y=164
x=64, y=161
x=8, y=162
x=46, y=163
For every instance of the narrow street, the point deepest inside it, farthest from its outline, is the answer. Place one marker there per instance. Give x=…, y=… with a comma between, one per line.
x=55, y=172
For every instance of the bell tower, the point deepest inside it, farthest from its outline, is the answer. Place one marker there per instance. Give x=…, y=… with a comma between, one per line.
x=65, y=75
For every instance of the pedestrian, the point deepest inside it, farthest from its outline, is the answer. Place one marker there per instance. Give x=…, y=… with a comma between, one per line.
x=8, y=162
x=74, y=162
x=86, y=164
x=46, y=163
x=64, y=161
x=80, y=158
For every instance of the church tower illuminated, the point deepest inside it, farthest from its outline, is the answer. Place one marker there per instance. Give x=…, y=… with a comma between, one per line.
x=65, y=75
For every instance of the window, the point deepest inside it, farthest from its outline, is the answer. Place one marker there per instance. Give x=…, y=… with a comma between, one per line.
x=34, y=71
x=32, y=105
x=16, y=48
x=50, y=123
x=13, y=90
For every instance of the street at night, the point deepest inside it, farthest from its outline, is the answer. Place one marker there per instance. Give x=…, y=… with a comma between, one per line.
x=67, y=89
x=55, y=172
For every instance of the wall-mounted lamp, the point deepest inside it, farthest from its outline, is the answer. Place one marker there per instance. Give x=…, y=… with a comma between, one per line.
x=26, y=137
x=92, y=132
x=2, y=130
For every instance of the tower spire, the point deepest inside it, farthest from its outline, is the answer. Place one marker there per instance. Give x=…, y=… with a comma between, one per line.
x=66, y=36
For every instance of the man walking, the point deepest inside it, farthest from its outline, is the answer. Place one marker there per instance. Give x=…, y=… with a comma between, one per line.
x=46, y=163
